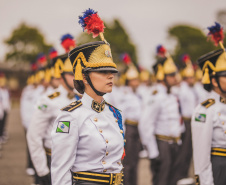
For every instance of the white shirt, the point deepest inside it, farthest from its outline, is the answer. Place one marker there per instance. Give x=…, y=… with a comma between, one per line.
x=207, y=133
x=39, y=132
x=5, y=99
x=160, y=116
x=131, y=106
x=27, y=104
x=84, y=147
x=187, y=99
x=200, y=92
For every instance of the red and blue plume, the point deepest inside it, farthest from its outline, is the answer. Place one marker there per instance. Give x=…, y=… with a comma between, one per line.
x=41, y=60
x=34, y=66
x=67, y=42
x=91, y=22
x=216, y=33
x=161, y=51
x=126, y=58
x=186, y=58
x=52, y=53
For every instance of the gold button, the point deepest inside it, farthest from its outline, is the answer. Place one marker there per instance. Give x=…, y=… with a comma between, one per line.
x=105, y=170
x=125, y=140
x=106, y=141
x=121, y=131
x=95, y=119
x=222, y=122
x=103, y=162
x=116, y=121
x=100, y=130
x=119, y=163
x=219, y=113
x=107, y=153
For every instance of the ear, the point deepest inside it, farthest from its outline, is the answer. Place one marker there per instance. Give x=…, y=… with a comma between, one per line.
x=84, y=79
x=214, y=82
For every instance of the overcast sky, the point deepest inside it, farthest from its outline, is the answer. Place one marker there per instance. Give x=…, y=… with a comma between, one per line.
x=147, y=21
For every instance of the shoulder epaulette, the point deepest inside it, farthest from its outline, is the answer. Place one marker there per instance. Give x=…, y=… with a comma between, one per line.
x=208, y=103
x=54, y=95
x=112, y=106
x=72, y=106
x=154, y=92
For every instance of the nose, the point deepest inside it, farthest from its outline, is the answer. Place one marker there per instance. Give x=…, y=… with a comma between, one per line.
x=110, y=75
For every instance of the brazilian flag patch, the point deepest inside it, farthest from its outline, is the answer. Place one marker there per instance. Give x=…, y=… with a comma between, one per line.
x=42, y=107
x=200, y=117
x=63, y=126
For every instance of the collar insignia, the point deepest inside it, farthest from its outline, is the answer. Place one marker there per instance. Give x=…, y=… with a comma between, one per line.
x=223, y=100
x=98, y=107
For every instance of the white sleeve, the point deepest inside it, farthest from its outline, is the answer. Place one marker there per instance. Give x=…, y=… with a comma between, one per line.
x=64, y=148
x=201, y=141
x=147, y=127
x=36, y=132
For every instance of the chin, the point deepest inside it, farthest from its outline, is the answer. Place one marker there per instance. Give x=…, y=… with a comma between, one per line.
x=108, y=90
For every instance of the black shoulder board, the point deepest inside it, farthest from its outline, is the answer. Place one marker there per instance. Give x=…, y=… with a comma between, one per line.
x=112, y=106
x=54, y=95
x=208, y=103
x=72, y=106
x=154, y=92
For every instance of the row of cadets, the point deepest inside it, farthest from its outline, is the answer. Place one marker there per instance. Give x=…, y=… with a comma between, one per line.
x=47, y=110
x=188, y=100
x=27, y=102
x=160, y=122
x=37, y=84
x=5, y=106
x=87, y=136
x=209, y=117
x=131, y=111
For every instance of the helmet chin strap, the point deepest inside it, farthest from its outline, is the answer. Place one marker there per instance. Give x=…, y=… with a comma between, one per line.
x=66, y=83
x=91, y=85
x=218, y=83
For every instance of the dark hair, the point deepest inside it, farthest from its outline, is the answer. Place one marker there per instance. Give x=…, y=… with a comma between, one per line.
x=208, y=87
x=79, y=86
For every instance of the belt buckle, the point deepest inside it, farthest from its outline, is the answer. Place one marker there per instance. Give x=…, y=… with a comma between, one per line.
x=118, y=179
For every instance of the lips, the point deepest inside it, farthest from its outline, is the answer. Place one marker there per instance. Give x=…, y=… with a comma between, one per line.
x=110, y=83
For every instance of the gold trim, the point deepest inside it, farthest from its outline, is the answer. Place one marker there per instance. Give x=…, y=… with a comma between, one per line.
x=111, y=179
x=89, y=179
x=130, y=122
x=219, y=149
x=167, y=138
x=74, y=107
x=94, y=174
x=219, y=154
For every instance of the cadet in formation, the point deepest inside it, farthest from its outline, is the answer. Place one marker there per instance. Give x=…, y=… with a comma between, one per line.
x=161, y=133
x=87, y=136
x=209, y=118
x=47, y=110
x=131, y=108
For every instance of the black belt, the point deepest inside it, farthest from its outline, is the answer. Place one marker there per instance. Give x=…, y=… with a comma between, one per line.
x=218, y=151
x=102, y=178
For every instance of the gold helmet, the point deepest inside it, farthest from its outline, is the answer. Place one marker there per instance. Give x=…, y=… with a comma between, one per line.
x=94, y=56
x=165, y=64
x=213, y=64
x=188, y=70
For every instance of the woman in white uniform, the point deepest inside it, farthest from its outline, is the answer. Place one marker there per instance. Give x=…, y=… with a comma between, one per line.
x=209, y=118
x=87, y=136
